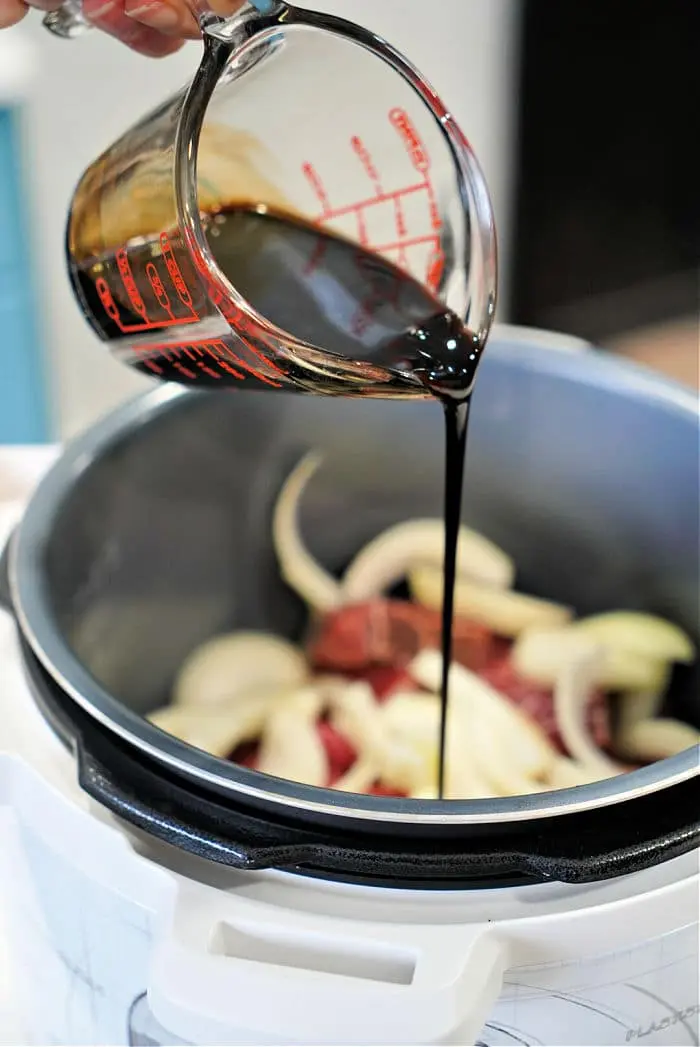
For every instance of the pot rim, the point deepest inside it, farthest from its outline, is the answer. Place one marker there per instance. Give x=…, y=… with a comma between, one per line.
x=31, y=605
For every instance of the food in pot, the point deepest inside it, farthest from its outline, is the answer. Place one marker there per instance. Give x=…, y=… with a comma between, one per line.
x=539, y=700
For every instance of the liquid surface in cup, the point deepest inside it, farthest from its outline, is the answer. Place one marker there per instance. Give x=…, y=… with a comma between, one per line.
x=337, y=295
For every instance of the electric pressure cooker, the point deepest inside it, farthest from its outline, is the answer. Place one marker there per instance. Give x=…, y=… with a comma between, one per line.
x=160, y=895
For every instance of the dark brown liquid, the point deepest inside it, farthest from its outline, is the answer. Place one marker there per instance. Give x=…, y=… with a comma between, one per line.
x=333, y=294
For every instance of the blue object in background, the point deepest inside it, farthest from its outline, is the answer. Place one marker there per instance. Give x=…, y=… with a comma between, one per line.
x=23, y=406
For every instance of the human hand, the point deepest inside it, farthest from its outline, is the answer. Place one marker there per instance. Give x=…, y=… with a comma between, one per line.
x=152, y=27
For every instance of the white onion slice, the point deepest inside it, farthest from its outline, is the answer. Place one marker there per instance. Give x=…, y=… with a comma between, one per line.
x=512, y=751
x=541, y=654
x=228, y=666
x=635, y=706
x=641, y=634
x=506, y=612
x=290, y=746
x=355, y=714
x=216, y=730
x=413, y=718
x=401, y=764
x=389, y=557
x=412, y=715
x=571, y=694
x=567, y=774
x=316, y=586
x=359, y=778
x=656, y=739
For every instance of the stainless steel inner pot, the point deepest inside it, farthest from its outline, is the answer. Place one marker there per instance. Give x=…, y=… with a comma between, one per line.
x=152, y=533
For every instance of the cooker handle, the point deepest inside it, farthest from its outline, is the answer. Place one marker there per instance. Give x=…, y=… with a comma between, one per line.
x=283, y=973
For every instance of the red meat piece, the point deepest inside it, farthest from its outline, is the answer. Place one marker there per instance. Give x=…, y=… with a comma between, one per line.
x=341, y=754
x=246, y=754
x=538, y=702
x=390, y=633
x=385, y=680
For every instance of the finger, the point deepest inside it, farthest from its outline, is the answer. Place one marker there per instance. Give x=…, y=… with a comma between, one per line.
x=167, y=16
x=45, y=5
x=226, y=7
x=109, y=16
x=11, y=12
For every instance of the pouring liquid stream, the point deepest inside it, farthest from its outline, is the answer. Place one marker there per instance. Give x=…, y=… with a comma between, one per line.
x=333, y=293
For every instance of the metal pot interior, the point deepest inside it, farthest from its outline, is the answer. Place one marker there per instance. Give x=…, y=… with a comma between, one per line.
x=153, y=533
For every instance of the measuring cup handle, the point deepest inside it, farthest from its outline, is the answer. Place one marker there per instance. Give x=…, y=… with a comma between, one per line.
x=67, y=21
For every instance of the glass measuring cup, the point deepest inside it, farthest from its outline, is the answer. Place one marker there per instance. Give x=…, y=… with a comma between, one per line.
x=298, y=114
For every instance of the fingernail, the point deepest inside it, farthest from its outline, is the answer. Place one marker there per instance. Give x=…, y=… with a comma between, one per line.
x=155, y=15
x=102, y=10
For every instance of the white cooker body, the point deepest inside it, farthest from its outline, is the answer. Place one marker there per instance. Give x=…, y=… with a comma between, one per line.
x=116, y=939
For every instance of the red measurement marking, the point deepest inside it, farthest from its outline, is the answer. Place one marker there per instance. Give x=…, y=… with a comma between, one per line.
x=365, y=157
x=206, y=356
x=398, y=245
x=226, y=366
x=158, y=287
x=208, y=370
x=411, y=139
x=362, y=228
x=108, y=303
x=435, y=219
x=245, y=327
x=137, y=302
x=247, y=330
x=338, y=212
x=175, y=274
x=400, y=218
x=317, y=185
x=249, y=367
x=153, y=366
x=435, y=269
x=420, y=159
x=316, y=257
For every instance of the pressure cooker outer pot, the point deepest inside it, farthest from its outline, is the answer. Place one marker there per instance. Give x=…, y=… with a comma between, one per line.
x=152, y=533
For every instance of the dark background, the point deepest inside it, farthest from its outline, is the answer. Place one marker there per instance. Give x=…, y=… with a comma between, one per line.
x=607, y=216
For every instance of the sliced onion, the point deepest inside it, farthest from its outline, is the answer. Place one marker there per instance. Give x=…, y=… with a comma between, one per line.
x=402, y=764
x=656, y=739
x=359, y=778
x=229, y=666
x=567, y=774
x=640, y=634
x=426, y=792
x=290, y=746
x=512, y=751
x=355, y=714
x=216, y=730
x=541, y=654
x=316, y=586
x=414, y=719
x=412, y=715
x=635, y=706
x=389, y=557
x=506, y=612
x=571, y=696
